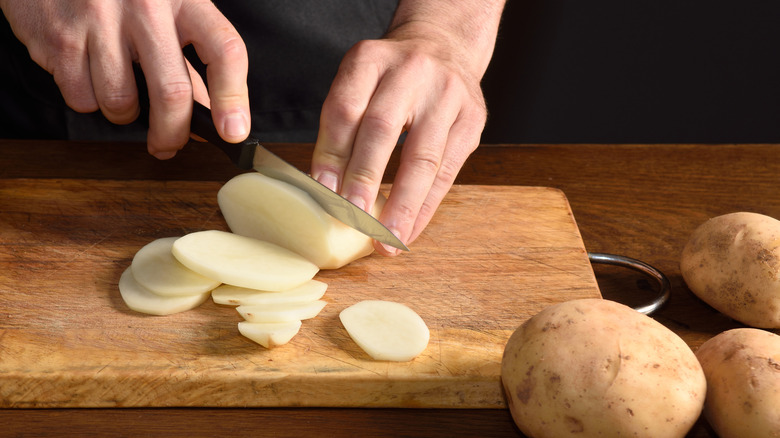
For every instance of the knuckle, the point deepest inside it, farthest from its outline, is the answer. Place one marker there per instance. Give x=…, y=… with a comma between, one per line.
x=118, y=102
x=448, y=171
x=343, y=110
x=175, y=93
x=366, y=178
x=427, y=162
x=363, y=49
x=233, y=47
x=381, y=123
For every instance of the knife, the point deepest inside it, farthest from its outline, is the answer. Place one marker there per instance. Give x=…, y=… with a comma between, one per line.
x=250, y=154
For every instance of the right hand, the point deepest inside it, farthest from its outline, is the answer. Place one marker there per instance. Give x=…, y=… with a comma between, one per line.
x=89, y=46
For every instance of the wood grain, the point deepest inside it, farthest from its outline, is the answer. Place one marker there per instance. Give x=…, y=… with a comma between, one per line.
x=632, y=199
x=494, y=256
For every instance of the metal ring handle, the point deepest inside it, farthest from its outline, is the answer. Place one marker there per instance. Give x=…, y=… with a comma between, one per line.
x=664, y=287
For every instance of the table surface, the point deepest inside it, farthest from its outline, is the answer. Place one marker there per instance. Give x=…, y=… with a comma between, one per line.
x=640, y=201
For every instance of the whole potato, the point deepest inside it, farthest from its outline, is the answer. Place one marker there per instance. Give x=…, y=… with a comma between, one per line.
x=732, y=262
x=594, y=367
x=742, y=367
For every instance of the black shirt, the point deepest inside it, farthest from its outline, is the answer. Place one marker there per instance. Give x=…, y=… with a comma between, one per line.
x=294, y=47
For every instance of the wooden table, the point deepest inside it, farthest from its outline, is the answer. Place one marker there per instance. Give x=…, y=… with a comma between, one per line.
x=640, y=201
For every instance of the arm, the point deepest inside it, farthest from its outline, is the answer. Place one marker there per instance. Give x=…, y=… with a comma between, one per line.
x=422, y=78
x=89, y=46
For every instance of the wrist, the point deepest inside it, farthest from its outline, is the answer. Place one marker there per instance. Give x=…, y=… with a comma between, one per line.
x=463, y=31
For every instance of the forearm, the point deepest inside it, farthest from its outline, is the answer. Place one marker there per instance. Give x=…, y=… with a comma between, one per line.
x=468, y=28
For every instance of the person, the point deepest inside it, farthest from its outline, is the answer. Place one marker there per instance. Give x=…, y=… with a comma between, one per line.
x=420, y=78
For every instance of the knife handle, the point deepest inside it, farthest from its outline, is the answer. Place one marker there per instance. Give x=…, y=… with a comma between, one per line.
x=241, y=154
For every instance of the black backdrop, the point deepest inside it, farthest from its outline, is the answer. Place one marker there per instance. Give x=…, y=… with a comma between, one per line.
x=621, y=71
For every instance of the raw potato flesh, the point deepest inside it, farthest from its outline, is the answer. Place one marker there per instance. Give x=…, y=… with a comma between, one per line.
x=312, y=290
x=281, y=312
x=386, y=330
x=143, y=300
x=155, y=268
x=270, y=334
x=243, y=261
x=258, y=206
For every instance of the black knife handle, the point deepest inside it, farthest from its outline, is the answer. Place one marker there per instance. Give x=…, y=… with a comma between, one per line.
x=242, y=154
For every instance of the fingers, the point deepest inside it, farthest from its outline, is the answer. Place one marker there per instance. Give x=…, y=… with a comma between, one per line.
x=221, y=48
x=69, y=66
x=425, y=159
x=369, y=105
x=167, y=80
x=462, y=139
x=342, y=113
x=110, y=65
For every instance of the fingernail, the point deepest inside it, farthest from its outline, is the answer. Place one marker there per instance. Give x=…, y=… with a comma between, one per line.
x=235, y=126
x=391, y=249
x=329, y=180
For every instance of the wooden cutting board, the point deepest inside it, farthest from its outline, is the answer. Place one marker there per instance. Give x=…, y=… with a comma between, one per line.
x=491, y=258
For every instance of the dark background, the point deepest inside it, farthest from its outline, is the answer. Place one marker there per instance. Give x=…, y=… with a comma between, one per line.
x=618, y=71
x=564, y=71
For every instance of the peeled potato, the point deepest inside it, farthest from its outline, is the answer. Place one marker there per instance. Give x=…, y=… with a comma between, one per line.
x=269, y=334
x=142, y=300
x=312, y=290
x=257, y=206
x=386, y=330
x=243, y=261
x=285, y=312
x=155, y=268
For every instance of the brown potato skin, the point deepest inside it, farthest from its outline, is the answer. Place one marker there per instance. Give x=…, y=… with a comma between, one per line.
x=732, y=262
x=595, y=367
x=742, y=367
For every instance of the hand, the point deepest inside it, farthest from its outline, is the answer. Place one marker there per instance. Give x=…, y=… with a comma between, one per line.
x=89, y=46
x=421, y=80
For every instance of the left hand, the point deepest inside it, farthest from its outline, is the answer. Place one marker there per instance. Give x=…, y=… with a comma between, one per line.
x=415, y=81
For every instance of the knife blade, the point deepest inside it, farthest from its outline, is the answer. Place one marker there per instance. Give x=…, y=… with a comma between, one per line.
x=250, y=154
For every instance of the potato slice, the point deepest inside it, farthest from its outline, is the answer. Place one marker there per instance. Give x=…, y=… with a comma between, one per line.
x=155, y=268
x=312, y=290
x=243, y=261
x=281, y=312
x=142, y=300
x=386, y=330
x=269, y=334
x=257, y=206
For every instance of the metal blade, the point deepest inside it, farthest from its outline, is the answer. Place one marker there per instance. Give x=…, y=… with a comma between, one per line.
x=250, y=154
x=267, y=163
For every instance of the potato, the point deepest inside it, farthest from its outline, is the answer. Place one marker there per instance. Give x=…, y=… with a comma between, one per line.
x=281, y=312
x=155, y=268
x=257, y=206
x=312, y=290
x=386, y=330
x=143, y=300
x=742, y=367
x=732, y=262
x=594, y=367
x=242, y=261
x=269, y=334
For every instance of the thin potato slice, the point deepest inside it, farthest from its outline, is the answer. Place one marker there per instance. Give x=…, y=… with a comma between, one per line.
x=243, y=261
x=269, y=334
x=281, y=312
x=142, y=300
x=386, y=330
x=258, y=206
x=312, y=290
x=155, y=268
